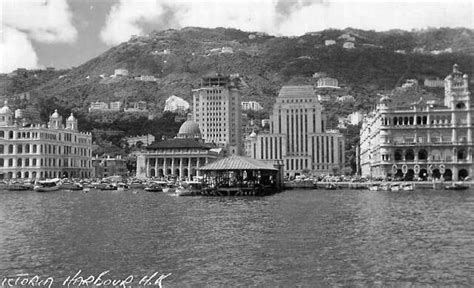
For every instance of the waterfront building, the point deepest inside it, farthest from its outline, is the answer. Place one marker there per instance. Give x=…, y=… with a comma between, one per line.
x=106, y=166
x=43, y=151
x=298, y=136
x=251, y=105
x=422, y=141
x=218, y=112
x=180, y=157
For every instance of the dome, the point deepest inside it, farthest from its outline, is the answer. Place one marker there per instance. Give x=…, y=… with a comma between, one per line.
x=189, y=128
x=71, y=118
x=55, y=114
x=5, y=109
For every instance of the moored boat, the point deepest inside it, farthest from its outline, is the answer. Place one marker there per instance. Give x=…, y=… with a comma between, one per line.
x=456, y=186
x=109, y=186
x=47, y=185
x=407, y=187
x=169, y=188
x=189, y=189
x=18, y=187
x=156, y=186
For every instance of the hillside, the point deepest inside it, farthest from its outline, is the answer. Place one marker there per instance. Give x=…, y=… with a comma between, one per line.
x=177, y=59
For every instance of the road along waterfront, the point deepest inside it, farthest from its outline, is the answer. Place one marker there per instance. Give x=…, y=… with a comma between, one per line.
x=303, y=238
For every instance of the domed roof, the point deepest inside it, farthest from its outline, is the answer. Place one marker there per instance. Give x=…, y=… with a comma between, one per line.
x=189, y=127
x=55, y=114
x=5, y=109
x=71, y=118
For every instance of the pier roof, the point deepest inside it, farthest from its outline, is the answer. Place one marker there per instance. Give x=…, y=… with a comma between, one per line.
x=235, y=162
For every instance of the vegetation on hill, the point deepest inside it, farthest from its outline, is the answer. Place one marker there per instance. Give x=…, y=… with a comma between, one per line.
x=178, y=59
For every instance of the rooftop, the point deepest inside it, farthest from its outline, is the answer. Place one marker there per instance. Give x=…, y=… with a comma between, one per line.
x=179, y=144
x=235, y=162
x=296, y=91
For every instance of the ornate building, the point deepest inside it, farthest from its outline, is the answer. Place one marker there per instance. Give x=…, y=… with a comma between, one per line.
x=298, y=135
x=43, y=151
x=218, y=112
x=423, y=141
x=179, y=157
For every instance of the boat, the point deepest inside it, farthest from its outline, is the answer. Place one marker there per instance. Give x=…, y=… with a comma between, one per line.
x=169, y=188
x=407, y=187
x=109, y=186
x=122, y=186
x=456, y=186
x=331, y=186
x=190, y=188
x=137, y=184
x=73, y=186
x=47, y=185
x=395, y=187
x=156, y=186
x=18, y=186
x=76, y=187
x=374, y=187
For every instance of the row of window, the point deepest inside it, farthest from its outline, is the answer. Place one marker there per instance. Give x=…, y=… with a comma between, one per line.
x=47, y=162
x=45, y=136
x=46, y=149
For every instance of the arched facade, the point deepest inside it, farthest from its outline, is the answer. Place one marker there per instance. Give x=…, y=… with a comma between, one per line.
x=68, y=150
x=433, y=140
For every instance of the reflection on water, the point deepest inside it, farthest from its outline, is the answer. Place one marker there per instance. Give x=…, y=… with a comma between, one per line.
x=296, y=238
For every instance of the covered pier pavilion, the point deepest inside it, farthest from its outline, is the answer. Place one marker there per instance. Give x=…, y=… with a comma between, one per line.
x=241, y=176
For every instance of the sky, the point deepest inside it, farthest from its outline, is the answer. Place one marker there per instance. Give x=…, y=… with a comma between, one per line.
x=67, y=33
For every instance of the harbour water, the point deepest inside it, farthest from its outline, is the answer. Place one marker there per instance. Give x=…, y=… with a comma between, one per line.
x=298, y=238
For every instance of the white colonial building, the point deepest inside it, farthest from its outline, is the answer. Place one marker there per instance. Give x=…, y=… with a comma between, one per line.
x=180, y=157
x=423, y=141
x=43, y=151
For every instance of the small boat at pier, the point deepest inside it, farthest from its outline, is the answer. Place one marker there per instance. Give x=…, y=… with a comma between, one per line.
x=189, y=189
x=48, y=185
x=456, y=186
x=18, y=186
x=156, y=186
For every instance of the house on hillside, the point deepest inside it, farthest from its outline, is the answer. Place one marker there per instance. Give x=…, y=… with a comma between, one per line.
x=348, y=45
x=115, y=106
x=433, y=82
x=329, y=42
x=327, y=82
x=98, y=106
x=251, y=105
x=120, y=72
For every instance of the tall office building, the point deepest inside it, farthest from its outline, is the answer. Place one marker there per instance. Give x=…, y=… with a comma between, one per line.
x=217, y=110
x=298, y=135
